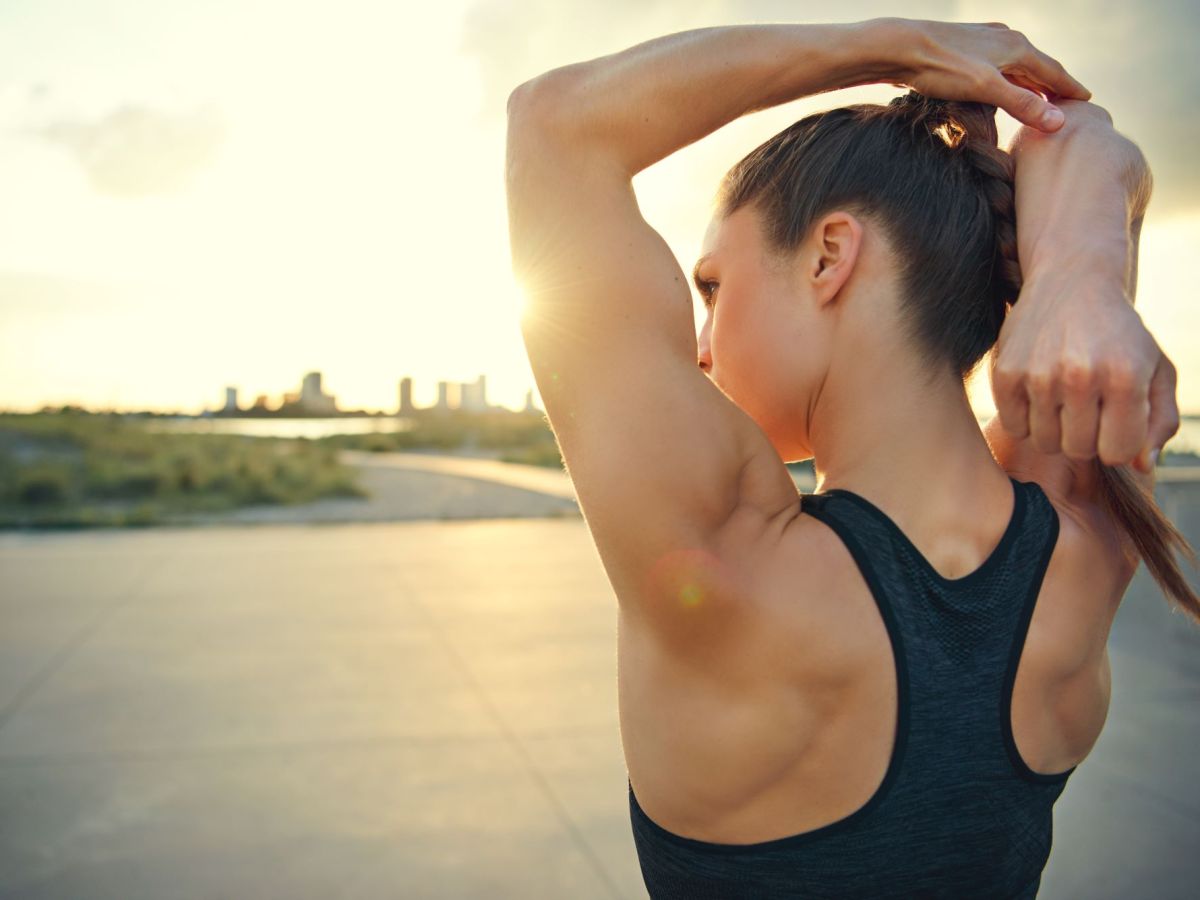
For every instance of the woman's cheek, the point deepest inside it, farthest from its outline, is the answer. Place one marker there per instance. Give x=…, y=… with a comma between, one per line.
x=745, y=370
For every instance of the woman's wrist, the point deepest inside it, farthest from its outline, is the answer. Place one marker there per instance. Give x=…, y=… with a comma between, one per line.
x=1078, y=193
x=883, y=50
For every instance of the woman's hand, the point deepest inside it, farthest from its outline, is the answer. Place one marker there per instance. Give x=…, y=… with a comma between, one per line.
x=1076, y=370
x=984, y=63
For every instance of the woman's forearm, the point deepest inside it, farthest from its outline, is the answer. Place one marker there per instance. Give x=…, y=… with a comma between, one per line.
x=1080, y=195
x=648, y=101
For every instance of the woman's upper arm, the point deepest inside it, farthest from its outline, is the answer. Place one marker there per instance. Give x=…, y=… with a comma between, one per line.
x=672, y=477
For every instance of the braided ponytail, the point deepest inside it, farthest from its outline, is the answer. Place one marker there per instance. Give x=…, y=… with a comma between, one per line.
x=968, y=130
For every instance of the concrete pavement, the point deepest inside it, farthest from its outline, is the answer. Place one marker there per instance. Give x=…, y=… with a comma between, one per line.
x=413, y=710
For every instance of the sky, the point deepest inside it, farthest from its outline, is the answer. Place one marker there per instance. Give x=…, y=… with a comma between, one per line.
x=236, y=192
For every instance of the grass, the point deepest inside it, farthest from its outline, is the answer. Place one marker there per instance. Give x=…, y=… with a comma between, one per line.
x=75, y=469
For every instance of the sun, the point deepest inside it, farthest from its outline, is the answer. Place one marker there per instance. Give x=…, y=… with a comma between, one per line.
x=519, y=299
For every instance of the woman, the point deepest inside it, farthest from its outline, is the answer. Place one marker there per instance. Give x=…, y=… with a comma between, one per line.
x=878, y=689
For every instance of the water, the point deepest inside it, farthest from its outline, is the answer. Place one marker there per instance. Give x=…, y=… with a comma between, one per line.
x=1186, y=440
x=283, y=428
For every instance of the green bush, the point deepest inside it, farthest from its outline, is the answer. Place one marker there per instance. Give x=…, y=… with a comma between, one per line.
x=141, y=515
x=106, y=469
x=44, y=484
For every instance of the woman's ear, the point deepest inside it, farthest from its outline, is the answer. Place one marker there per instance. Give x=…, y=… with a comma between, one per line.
x=835, y=242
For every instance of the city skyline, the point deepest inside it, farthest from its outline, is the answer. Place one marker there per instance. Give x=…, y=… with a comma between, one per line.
x=312, y=399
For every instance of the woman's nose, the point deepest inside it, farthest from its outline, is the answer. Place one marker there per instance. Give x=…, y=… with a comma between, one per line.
x=704, y=354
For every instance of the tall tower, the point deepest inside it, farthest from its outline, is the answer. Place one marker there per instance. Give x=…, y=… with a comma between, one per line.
x=474, y=394
x=313, y=398
x=231, y=403
x=443, y=396
x=406, y=404
x=310, y=389
x=481, y=381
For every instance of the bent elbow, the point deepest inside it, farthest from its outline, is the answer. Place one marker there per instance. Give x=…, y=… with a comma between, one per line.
x=542, y=100
x=520, y=96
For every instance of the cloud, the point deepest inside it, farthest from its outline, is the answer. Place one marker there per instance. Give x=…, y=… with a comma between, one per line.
x=1138, y=60
x=136, y=151
x=1140, y=64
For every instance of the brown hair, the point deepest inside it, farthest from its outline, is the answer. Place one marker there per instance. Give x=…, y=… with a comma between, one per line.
x=930, y=174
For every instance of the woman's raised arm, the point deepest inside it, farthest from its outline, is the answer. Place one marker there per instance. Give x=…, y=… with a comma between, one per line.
x=651, y=99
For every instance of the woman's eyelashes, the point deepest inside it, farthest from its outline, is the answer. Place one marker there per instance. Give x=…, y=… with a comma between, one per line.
x=708, y=290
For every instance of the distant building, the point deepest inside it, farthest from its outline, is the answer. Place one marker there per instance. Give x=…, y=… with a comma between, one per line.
x=261, y=402
x=313, y=399
x=529, y=407
x=231, y=400
x=406, y=404
x=448, y=395
x=474, y=395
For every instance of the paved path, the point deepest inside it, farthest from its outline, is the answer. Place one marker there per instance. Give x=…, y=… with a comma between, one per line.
x=406, y=487
x=420, y=710
x=554, y=482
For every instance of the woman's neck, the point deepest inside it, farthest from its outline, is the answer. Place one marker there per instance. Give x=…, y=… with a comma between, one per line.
x=894, y=442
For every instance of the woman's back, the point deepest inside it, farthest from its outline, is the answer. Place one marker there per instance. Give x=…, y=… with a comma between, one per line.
x=794, y=727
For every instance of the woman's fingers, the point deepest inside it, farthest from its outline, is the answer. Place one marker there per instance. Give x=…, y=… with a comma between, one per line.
x=1011, y=398
x=1116, y=419
x=1040, y=67
x=1080, y=416
x=1024, y=105
x=1124, y=418
x=1013, y=409
x=1164, y=410
x=1045, y=418
x=989, y=62
x=1050, y=72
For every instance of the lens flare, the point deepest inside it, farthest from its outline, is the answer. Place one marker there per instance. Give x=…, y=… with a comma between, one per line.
x=689, y=576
